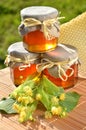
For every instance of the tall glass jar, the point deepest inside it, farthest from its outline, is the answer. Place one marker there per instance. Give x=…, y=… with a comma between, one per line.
x=60, y=65
x=22, y=63
x=39, y=28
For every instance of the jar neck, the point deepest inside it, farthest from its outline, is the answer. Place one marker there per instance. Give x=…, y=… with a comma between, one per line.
x=47, y=27
x=62, y=66
x=11, y=60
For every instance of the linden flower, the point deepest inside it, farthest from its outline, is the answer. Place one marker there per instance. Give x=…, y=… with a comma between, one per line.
x=62, y=96
x=56, y=110
x=64, y=113
x=16, y=107
x=25, y=100
x=31, y=100
x=48, y=114
x=38, y=96
x=55, y=100
x=30, y=117
x=22, y=99
x=28, y=90
x=59, y=110
x=24, y=109
x=19, y=99
x=22, y=116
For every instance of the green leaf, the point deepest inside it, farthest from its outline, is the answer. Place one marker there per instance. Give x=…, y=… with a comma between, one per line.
x=45, y=98
x=70, y=101
x=6, y=106
x=51, y=88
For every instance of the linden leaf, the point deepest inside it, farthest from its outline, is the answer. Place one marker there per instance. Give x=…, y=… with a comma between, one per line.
x=44, y=98
x=70, y=101
x=51, y=88
x=6, y=105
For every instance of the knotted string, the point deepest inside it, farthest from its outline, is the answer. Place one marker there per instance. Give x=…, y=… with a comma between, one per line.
x=49, y=27
x=62, y=67
x=11, y=59
x=22, y=67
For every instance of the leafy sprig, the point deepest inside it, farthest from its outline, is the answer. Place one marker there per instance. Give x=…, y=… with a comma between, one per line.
x=37, y=88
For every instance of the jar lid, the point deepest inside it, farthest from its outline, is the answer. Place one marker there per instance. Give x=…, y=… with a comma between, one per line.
x=61, y=53
x=39, y=12
x=18, y=51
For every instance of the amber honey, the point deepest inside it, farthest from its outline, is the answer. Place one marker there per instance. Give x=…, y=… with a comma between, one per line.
x=20, y=75
x=71, y=81
x=36, y=42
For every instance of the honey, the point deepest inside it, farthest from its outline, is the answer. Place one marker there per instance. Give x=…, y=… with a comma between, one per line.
x=36, y=42
x=39, y=28
x=21, y=62
x=19, y=76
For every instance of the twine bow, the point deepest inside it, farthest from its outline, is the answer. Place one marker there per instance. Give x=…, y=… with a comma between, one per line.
x=11, y=59
x=49, y=27
x=62, y=67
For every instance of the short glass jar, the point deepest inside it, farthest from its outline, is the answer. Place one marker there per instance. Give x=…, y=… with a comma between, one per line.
x=61, y=65
x=39, y=28
x=22, y=63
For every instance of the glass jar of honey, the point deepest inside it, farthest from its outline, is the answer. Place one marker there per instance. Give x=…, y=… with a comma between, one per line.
x=39, y=28
x=22, y=63
x=60, y=65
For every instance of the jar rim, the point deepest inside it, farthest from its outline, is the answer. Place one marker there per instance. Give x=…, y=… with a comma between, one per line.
x=61, y=53
x=39, y=12
x=17, y=50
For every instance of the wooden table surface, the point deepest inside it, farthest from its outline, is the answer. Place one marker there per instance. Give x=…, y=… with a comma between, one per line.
x=76, y=119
